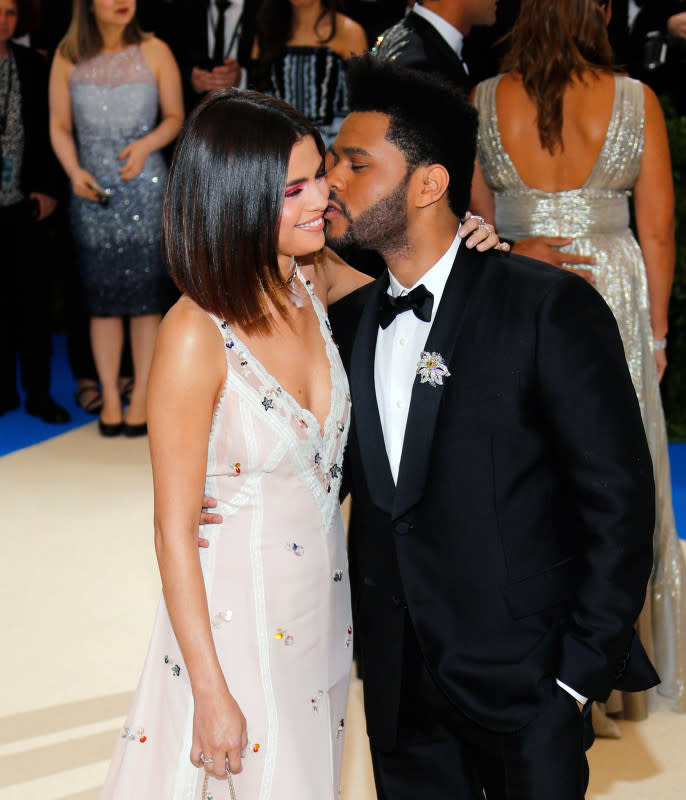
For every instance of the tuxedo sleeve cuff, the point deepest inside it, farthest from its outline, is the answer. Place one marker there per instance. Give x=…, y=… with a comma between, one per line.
x=579, y=697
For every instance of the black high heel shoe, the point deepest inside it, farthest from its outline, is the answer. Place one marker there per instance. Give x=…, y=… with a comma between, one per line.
x=110, y=429
x=135, y=430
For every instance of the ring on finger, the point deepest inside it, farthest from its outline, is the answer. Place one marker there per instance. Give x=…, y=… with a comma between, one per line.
x=206, y=759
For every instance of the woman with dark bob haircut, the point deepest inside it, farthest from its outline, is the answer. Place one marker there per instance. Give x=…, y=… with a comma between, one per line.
x=250, y=657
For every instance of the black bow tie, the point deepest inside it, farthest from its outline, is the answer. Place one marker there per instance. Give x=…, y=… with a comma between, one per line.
x=420, y=300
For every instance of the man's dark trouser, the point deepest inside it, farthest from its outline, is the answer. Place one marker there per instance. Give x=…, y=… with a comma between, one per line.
x=440, y=754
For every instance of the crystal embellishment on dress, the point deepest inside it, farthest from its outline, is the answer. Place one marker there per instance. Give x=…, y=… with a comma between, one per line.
x=268, y=403
x=335, y=471
x=221, y=617
x=315, y=700
x=138, y=736
x=175, y=669
x=341, y=727
x=338, y=576
x=296, y=549
x=285, y=637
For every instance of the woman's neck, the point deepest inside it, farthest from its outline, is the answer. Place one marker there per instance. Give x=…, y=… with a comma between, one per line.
x=305, y=19
x=112, y=38
x=4, y=49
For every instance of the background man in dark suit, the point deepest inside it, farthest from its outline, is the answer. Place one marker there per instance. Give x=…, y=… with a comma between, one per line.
x=212, y=41
x=431, y=36
x=501, y=480
x=28, y=188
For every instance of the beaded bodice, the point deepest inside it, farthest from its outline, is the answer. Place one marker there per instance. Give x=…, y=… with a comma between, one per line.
x=259, y=426
x=114, y=97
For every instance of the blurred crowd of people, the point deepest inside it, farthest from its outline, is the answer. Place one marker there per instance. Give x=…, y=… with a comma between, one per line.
x=105, y=244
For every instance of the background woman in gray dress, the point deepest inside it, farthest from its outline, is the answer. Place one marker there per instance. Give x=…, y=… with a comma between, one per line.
x=109, y=85
x=563, y=141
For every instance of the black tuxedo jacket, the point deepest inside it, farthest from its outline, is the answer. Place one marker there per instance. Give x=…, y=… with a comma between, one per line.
x=416, y=44
x=190, y=41
x=519, y=535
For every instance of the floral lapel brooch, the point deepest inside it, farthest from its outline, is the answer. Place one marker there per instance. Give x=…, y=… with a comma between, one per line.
x=431, y=368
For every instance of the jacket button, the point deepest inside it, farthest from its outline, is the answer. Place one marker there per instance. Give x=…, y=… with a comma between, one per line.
x=401, y=528
x=398, y=601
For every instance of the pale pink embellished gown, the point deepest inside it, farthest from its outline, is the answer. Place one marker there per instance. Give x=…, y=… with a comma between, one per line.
x=276, y=575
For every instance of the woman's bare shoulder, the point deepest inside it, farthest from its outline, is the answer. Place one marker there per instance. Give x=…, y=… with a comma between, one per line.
x=189, y=336
x=351, y=40
x=61, y=65
x=156, y=52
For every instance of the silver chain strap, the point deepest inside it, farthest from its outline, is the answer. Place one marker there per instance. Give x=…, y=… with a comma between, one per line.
x=232, y=791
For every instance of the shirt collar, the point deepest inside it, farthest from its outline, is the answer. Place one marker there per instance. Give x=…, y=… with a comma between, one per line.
x=434, y=279
x=212, y=6
x=452, y=36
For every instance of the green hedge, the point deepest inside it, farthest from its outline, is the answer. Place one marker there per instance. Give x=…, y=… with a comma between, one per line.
x=674, y=382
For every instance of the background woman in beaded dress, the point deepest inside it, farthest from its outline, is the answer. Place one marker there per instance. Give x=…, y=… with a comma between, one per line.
x=563, y=139
x=109, y=85
x=300, y=54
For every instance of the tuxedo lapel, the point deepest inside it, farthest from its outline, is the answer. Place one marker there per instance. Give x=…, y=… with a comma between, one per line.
x=426, y=398
x=377, y=471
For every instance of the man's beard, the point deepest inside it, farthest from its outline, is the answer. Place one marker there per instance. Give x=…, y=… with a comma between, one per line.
x=381, y=227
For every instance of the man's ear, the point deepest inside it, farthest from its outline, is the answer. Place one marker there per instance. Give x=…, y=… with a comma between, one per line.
x=430, y=184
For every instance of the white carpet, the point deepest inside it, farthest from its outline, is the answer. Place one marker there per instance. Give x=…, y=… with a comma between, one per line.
x=78, y=591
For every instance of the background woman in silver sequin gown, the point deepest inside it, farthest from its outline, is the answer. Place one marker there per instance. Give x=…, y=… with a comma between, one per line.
x=300, y=54
x=563, y=141
x=108, y=86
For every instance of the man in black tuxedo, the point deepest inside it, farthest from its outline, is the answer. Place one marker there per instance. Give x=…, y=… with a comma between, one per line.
x=212, y=41
x=502, y=485
x=431, y=36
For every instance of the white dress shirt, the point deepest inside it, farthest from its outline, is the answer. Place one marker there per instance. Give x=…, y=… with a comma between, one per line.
x=232, y=17
x=398, y=349
x=632, y=13
x=451, y=35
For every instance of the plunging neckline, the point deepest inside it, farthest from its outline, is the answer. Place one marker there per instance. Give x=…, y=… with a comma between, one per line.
x=268, y=377
x=599, y=158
